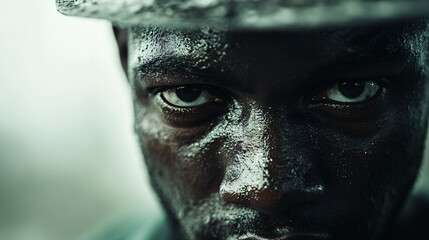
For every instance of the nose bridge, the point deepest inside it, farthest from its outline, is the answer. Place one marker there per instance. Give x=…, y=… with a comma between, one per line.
x=262, y=150
x=249, y=169
x=264, y=173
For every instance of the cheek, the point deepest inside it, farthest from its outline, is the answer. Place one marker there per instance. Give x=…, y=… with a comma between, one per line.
x=382, y=153
x=182, y=167
x=363, y=171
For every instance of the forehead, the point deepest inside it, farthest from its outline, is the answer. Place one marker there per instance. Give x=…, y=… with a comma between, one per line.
x=196, y=41
x=151, y=45
x=258, y=56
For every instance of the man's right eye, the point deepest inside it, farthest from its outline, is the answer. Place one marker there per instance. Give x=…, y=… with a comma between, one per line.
x=187, y=96
x=190, y=105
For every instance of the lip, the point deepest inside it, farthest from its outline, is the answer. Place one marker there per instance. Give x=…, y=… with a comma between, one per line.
x=296, y=236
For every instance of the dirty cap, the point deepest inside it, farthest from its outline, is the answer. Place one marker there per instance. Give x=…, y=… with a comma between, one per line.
x=250, y=14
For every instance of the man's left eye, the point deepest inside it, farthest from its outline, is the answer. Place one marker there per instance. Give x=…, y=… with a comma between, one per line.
x=187, y=96
x=349, y=92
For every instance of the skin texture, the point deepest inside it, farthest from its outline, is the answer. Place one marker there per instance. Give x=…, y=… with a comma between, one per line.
x=270, y=155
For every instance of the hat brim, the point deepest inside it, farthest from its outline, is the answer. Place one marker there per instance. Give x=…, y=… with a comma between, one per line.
x=244, y=14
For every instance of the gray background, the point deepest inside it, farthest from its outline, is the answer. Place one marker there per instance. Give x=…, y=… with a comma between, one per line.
x=68, y=156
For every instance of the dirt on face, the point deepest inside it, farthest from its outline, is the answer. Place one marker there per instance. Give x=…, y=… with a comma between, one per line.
x=281, y=133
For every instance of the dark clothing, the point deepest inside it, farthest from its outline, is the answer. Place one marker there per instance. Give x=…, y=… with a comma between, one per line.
x=414, y=221
x=137, y=227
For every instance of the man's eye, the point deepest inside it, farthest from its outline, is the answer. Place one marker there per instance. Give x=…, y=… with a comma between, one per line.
x=350, y=92
x=187, y=96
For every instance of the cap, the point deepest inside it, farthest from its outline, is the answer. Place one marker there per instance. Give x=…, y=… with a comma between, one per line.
x=253, y=14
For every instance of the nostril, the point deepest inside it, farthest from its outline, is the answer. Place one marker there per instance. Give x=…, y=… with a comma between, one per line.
x=231, y=197
x=305, y=195
x=273, y=188
x=266, y=200
x=273, y=201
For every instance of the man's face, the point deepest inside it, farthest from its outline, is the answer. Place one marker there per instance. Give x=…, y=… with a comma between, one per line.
x=280, y=135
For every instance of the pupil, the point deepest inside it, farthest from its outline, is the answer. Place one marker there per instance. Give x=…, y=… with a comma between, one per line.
x=188, y=94
x=351, y=89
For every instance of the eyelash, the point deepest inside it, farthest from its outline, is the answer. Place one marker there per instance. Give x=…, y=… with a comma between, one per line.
x=381, y=82
x=370, y=87
x=191, y=115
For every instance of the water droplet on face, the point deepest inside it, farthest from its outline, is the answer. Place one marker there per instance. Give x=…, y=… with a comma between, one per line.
x=207, y=220
x=190, y=155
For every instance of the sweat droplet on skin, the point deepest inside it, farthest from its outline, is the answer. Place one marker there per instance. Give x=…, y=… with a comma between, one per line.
x=250, y=166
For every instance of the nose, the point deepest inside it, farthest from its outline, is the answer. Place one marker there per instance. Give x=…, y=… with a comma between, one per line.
x=270, y=190
x=265, y=176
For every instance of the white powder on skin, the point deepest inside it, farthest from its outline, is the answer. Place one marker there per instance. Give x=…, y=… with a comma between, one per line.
x=244, y=136
x=149, y=43
x=246, y=174
x=249, y=171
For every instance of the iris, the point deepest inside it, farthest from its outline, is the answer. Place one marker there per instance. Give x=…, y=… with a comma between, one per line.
x=188, y=93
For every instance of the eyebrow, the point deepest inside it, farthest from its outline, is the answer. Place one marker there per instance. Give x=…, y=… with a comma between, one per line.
x=173, y=70
x=186, y=70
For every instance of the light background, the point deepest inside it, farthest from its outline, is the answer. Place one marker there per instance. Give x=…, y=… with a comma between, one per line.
x=68, y=156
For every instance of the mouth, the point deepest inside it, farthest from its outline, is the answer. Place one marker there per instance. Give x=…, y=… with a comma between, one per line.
x=292, y=236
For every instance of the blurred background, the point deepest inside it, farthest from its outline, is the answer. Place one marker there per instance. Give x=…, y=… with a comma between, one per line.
x=68, y=156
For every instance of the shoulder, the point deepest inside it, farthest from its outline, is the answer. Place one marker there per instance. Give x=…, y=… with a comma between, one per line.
x=140, y=226
x=414, y=220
